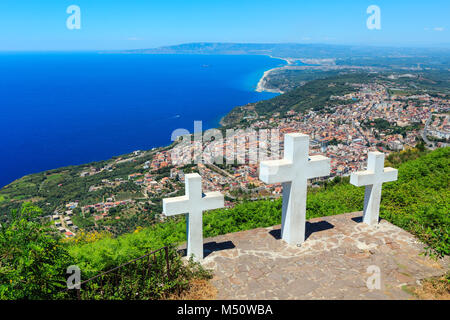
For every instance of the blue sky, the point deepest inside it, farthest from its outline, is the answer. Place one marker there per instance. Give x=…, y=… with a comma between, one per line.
x=114, y=24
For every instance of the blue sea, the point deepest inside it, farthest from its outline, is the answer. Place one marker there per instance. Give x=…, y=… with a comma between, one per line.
x=60, y=109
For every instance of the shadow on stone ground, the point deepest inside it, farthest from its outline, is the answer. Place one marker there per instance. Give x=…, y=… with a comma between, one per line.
x=211, y=247
x=310, y=229
x=335, y=262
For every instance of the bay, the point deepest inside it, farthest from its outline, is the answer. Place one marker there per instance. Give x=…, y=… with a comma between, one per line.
x=60, y=109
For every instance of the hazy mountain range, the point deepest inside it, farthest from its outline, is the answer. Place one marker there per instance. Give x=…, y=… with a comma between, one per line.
x=292, y=50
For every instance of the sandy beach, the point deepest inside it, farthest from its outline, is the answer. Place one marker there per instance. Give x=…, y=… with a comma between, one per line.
x=261, y=87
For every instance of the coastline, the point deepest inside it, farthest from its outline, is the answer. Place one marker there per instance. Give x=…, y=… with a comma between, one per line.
x=30, y=170
x=261, y=86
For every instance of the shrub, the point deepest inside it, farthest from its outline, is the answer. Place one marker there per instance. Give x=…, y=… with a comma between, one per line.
x=32, y=261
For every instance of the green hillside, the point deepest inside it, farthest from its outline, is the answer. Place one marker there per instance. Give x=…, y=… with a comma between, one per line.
x=319, y=87
x=314, y=95
x=417, y=202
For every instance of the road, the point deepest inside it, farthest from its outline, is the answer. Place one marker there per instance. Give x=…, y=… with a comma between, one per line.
x=424, y=132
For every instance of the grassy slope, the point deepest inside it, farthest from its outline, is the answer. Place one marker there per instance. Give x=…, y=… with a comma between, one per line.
x=313, y=95
x=417, y=202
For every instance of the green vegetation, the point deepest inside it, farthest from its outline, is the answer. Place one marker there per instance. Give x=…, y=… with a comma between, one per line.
x=33, y=260
x=315, y=95
x=384, y=126
x=145, y=279
x=417, y=202
x=288, y=79
x=52, y=190
x=311, y=89
x=98, y=181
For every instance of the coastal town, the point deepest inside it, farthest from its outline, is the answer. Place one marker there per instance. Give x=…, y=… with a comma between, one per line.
x=376, y=119
x=345, y=135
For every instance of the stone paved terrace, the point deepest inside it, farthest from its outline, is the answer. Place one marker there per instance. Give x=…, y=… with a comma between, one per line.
x=331, y=264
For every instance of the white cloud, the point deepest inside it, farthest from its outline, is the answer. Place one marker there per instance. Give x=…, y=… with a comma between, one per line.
x=434, y=29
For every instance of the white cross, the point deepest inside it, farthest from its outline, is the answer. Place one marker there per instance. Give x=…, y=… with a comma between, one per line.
x=193, y=203
x=293, y=172
x=373, y=178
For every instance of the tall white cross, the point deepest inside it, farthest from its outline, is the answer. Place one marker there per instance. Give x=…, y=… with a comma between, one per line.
x=193, y=204
x=373, y=178
x=293, y=172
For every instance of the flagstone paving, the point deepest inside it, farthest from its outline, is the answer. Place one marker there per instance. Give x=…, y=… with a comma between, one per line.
x=331, y=264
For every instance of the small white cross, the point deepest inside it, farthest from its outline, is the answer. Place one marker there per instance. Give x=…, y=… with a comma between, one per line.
x=373, y=178
x=193, y=204
x=293, y=172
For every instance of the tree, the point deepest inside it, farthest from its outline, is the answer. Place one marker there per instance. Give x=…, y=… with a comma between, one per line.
x=421, y=145
x=32, y=260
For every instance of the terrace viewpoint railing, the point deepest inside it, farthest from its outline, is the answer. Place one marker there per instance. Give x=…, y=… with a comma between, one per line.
x=140, y=278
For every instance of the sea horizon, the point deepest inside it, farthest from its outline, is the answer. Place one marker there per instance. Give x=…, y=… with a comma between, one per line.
x=70, y=108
